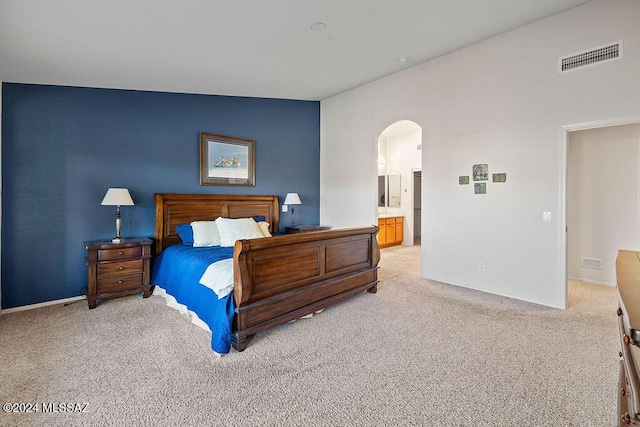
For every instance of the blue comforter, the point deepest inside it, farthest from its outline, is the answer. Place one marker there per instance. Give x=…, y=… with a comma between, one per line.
x=178, y=270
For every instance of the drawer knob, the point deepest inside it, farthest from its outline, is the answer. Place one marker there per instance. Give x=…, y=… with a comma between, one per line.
x=120, y=282
x=120, y=253
x=626, y=339
x=623, y=392
x=121, y=268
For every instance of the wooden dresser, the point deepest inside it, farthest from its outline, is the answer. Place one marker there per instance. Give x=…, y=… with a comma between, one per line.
x=628, y=279
x=118, y=269
x=391, y=231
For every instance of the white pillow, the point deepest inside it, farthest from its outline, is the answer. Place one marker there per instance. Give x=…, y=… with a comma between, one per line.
x=219, y=277
x=264, y=227
x=205, y=233
x=236, y=229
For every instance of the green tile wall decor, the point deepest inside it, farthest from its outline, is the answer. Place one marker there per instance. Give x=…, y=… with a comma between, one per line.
x=480, y=172
x=499, y=177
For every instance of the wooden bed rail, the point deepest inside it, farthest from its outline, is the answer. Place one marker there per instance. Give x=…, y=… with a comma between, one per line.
x=282, y=278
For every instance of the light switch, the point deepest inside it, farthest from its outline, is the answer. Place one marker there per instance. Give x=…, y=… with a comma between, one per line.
x=284, y=208
x=546, y=216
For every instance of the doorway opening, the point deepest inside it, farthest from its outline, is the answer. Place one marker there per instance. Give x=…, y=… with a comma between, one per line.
x=400, y=183
x=601, y=199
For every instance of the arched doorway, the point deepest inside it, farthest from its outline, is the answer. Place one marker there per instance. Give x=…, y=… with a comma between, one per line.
x=399, y=177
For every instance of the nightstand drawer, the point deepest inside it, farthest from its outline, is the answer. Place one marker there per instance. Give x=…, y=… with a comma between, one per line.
x=119, y=283
x=123, y=253
x=119, y=268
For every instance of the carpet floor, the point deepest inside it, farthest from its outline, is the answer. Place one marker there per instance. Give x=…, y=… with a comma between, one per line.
x=416, y=353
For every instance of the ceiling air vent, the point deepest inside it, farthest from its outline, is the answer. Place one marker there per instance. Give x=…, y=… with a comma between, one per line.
x=589, y=57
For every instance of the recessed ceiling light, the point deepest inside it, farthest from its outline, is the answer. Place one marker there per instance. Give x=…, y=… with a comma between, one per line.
x=318, y=26
x=403, y=59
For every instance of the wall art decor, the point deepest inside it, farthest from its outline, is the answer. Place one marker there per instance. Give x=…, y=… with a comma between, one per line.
x=480, y=172
x=226, y=160
x=499, y=177
x=463, y=180
x=480, y=188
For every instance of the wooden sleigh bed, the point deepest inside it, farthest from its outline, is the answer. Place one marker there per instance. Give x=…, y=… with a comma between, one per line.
x=281, y=278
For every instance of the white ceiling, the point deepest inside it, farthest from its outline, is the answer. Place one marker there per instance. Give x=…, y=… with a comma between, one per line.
x=259, y=48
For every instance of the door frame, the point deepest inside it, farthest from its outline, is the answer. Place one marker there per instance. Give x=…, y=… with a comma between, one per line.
x=413, y=204
x=564, y=140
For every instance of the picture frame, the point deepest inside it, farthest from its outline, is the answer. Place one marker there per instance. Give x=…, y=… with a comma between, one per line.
x=227, y=160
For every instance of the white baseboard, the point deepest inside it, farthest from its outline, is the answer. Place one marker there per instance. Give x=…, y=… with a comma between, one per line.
x=43, y=304
x=594, y=282
x=461, y=285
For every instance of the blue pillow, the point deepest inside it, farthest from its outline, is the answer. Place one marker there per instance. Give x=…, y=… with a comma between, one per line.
x=259, y=218
x=185, y=232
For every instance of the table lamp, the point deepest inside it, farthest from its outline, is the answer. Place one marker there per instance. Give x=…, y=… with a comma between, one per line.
x=291, y=200
x=117, y=197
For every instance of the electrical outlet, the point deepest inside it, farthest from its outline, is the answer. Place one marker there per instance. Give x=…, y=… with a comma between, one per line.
x=284, y=208
x=481, y=265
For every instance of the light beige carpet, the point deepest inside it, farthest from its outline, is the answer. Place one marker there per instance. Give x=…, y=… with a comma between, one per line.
x=415, y=353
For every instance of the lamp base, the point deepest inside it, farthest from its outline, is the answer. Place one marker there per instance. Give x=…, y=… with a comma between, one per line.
x=117, y=240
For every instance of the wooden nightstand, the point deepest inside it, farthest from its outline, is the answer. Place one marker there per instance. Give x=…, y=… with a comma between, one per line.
x=305, y=228
x=118, y=269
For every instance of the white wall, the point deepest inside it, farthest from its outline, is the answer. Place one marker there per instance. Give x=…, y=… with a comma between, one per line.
x=602, y=199
x=382, y=155
x=500, y=102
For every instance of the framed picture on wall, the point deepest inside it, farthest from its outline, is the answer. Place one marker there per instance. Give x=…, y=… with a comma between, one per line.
x=227, y=160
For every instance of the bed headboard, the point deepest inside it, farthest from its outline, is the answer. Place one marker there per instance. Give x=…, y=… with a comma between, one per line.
x=175, y=209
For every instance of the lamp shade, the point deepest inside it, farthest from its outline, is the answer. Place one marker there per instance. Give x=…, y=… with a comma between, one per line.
x=117, y=197
x=292, y=199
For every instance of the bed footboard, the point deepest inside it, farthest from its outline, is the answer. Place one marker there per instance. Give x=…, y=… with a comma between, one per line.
x=282, y=278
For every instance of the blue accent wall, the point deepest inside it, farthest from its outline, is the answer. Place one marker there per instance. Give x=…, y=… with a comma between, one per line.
x=62, y=147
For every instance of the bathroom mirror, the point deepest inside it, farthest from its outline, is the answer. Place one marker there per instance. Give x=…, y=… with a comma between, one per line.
x=389, y=191
x=394, y=191
x=382, y=191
